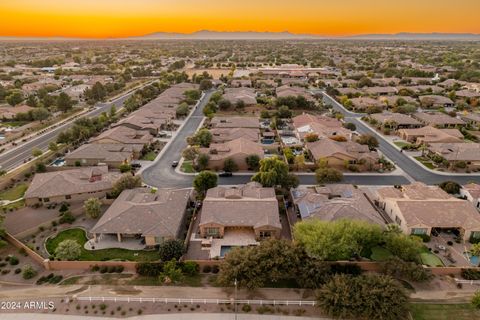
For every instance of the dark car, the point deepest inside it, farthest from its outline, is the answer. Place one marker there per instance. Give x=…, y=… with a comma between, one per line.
x=174, y=164
x=136, y=165
x=225, y=174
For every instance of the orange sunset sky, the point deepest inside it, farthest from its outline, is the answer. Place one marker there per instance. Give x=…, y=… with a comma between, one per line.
x=121, y=18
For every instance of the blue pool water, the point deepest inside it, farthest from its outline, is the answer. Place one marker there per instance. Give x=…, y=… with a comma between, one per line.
x=474, y=260
x=268, y=141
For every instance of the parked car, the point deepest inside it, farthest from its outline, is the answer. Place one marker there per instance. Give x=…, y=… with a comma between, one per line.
x=136, y=165
x=225, y=174
x=174, y=164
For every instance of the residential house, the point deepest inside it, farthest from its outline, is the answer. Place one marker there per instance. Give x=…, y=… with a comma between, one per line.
x=363, y=103
x=221, y=135
x=418, y=209
x=241, y=83
x=472, y=119
x=454, y=153
x=124, y=135
x=334, y=202
x=342, y=154
x=381, y=91
x=471, y=192
x=435, y=101
x=467, y=94
x=246, y=95
x=438, y=119
x=249, y=208
x=290, y=91
x=396, y=121
x=142, y=214
x=237, y=150
x=235, y=122
x=75, y=185
x=429, y=134
x=93, y=154
x=306, y=124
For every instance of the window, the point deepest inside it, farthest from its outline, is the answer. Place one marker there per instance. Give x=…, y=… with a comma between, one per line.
x=212, y=231
x=265, y=234
x=46, y=200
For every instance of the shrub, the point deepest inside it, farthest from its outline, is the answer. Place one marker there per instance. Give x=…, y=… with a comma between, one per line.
x=207, y=269
x=28, y=272
x=95, y=268
x=66, y=217
x=190, y=268
x=149, y=269
x=215, y=268
x=246, y=308
x=103, y=269
x=119, y=269
x=470, y=274
x=18, y=270
x=13, y=260
x=424, y=237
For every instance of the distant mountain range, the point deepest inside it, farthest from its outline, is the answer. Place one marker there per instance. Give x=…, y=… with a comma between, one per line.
x=253, y=35
x=285, y=35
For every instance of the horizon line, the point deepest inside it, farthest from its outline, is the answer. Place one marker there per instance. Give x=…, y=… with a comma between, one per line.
x=312, y=35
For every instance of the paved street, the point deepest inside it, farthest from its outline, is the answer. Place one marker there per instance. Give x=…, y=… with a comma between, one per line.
x=412, y=168
x=15, y=157
x=161, y=174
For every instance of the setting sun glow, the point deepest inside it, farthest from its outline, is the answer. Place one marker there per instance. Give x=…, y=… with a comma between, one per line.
x=122, y=18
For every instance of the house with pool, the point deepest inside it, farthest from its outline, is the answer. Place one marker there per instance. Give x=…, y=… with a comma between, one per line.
x=238, y=217
x=428, y=210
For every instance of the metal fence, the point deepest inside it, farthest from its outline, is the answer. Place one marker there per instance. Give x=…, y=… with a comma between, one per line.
x=199, y=301
x=472, y=282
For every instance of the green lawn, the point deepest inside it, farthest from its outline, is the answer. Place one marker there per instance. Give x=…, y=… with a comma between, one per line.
x=187, y=167
x=380, y=254
x=149, y=156
x=14, y=193
x=99, y=255
x=421, y=311
x=431, y=260
x=13, y=206
x=426, y=163
x=401, y=144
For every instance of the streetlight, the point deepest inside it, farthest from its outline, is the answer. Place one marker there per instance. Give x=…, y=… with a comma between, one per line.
x=235, y=298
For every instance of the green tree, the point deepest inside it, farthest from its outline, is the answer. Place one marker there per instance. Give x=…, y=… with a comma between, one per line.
x=190, y=153
x=370, y=297
x=36, y=152
x=405, y=247
x=253, y=162
x=206, y=84
x=229, y=165
x=202, y=161
x=328, y=175
x=284, y=112
x=64, y=102
x=39, y=114
x=203, y=181
x=399, y=269
x=68, y=250
x=368, y=140
x=476, y=300
x=274, y=172
x=350, y=126
x=14, y=98
x=171, y=272
x=475, y=249
x=126, y=181
x=171, y=249
x=182, y=110
x=336, y=240
x=253, y=267
x=203, y=138
x=92, y=208
x=125, y=167
x=450, y=187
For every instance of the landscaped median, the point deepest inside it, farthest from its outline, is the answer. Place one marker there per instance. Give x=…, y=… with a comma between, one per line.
x=79, y=235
